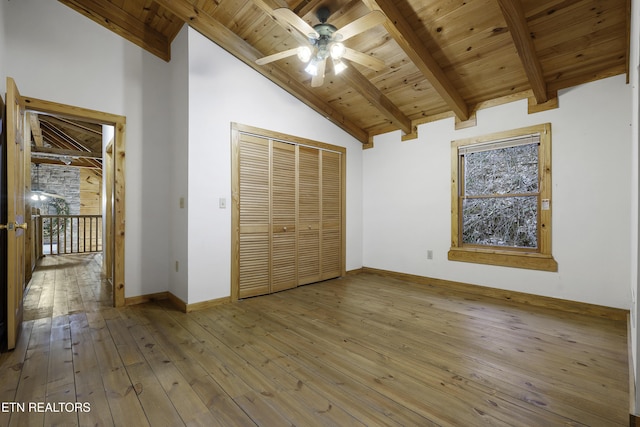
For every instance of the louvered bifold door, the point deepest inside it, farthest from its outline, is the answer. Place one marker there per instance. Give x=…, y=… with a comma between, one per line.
x=254, y=196
x=283, y=216
x=308, y=215
x=331, y=225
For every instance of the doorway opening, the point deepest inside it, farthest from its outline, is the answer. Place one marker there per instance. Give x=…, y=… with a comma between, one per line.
x=91, y=144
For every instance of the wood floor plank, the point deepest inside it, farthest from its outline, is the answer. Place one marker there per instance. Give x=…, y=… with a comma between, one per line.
x=184, y=399
x=364, y=404
x=314, y=405
x=434, y=347
x=60, y=375
x=361, y=350
x=11, y=365
x=208, y=390
x=155, y=402
x=33, y=380
x=90, y=389
x=125, y=407
x=255, y=385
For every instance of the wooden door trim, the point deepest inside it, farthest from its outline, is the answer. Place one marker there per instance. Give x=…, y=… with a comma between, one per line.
x=119, y=124
x=236, y=130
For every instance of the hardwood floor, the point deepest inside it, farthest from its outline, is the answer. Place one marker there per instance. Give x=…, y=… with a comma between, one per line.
x=363, y=350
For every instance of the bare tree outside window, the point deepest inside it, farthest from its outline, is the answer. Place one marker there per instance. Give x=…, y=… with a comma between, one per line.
x=500, y=200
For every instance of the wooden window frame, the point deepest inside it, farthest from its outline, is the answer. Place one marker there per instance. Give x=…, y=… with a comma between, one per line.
x=539, y=258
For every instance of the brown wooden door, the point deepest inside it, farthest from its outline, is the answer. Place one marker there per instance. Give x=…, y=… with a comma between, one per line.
x=288, y=213
x=15, y=225
x=254, y=198
x=283, y=216
x=331, y=229
x=309, y=215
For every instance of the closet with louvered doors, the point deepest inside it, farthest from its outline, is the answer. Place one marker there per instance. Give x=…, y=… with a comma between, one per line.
x=288, y=212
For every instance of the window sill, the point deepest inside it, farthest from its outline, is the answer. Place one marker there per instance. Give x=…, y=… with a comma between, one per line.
x=527, y=260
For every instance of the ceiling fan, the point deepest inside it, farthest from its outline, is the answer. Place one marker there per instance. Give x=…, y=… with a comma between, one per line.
x=324, y=42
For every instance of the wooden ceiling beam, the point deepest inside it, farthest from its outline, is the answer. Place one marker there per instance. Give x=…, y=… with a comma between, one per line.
x=62, y=152
x=306, y=6
x=70, y=150
x=36, y=131
x=93, y=128
x=123, y=24
x=76, y=163
x=368, y=90
x=398, y=27
x=228, y=40
x=517, y=23
x=56, y=137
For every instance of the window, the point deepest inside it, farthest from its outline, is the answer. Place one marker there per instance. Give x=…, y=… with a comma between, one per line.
x=501, y=199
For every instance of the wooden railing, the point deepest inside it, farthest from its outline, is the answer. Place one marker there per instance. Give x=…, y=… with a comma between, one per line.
x=69, y=234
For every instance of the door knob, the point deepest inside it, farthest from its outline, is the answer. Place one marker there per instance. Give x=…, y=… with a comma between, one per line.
x=11, y=226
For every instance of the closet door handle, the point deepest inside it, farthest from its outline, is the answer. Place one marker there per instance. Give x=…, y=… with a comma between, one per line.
x=284, y=228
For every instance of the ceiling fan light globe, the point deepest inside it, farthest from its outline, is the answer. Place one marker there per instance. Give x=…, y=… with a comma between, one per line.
x=304, y=53
x=312, y=68
x=338, y=66
x=337, y=50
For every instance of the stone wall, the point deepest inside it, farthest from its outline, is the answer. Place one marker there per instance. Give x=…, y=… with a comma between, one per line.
x=61, y=180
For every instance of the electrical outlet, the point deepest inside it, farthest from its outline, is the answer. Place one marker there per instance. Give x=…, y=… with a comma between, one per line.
x=177, y=266
x=429, y=254
x=222, y=202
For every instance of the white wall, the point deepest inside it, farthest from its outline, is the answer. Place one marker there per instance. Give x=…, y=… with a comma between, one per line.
x=407, y=198
x=223, y=90
x=56, y=54
x=179, y=149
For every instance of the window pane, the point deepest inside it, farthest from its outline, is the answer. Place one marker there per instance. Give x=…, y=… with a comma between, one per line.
x=501, y=221
x=512, y=170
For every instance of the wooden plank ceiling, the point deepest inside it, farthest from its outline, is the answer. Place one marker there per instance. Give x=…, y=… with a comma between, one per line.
x=442, y=58
x=65, y=142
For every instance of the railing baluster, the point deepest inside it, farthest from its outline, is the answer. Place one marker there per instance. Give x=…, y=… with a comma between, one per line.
x=91, y=239
x=78, y=234
x=63, y=239
x=50, y=236
x=58, y=237
x=84, y=235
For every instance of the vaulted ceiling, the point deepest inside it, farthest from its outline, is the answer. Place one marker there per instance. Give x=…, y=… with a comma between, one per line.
x=62, y=141
x=441, y=58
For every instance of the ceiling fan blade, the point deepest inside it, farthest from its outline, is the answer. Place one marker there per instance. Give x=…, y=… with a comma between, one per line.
x=361, y=25
x=318, y=79
x=289, y=17
x=363, y=59
x=277, y=56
